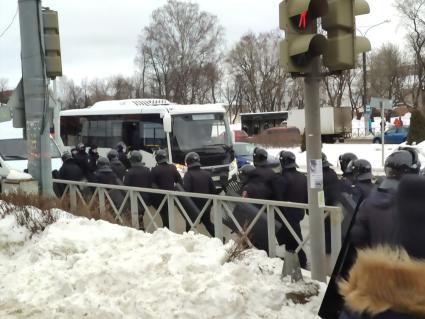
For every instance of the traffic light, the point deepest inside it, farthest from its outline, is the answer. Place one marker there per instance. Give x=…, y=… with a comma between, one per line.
x=343, y=44
x=52, y=43
x=301, y=44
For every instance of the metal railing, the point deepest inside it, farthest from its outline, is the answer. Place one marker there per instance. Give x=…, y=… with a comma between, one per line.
x=99, y=198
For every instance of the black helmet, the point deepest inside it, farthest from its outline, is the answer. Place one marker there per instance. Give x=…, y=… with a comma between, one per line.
x=136, y=157
x=66, y=156
x=102, y=162
x=121, y=147
x=161, y=156
x=361, y=169
x=344, y=159
x=245, y=172
x=325, y=162
x=401, y=162
x=112, y=154
x=260, y=156
x=81, y=147
x=287, y=160
x=414, y=154
x=192, y=159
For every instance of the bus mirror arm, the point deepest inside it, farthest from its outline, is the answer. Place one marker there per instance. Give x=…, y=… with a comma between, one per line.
x=167, y=122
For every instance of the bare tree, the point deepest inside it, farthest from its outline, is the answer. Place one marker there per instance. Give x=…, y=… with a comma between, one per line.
x=71, y=96
x=335, y=87
x=121, y=87
x=413, y=16
x=178, y=53
x=255, y=59
x=98, y=90
x=388, y=73
x=233, y=95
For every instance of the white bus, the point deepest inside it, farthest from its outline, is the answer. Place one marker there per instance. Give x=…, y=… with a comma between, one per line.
x=149, y=125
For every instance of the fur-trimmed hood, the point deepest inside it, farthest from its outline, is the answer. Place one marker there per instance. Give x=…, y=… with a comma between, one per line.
x=382, y=279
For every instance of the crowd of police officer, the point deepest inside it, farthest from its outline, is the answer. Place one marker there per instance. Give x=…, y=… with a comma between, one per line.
x=374, y=209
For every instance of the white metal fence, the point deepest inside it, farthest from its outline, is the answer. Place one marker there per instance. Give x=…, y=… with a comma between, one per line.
x=98, y=197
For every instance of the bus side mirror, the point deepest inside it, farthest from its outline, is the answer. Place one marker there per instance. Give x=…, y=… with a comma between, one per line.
x=167, y=122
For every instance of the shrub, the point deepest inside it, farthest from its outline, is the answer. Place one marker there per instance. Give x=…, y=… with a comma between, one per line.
x=417, y=128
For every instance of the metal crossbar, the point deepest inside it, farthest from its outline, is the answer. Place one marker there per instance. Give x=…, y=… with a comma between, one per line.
x=220, y=209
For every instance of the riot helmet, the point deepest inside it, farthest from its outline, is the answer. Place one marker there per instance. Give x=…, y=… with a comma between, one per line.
x=81, y=147
x=287, y=160
x=121, y=147
x=361, y=170
x=415, y=156
x=192, y=159
x=260, y=156
x=400, y=163
x=245, y=173
x=135, y=157
x=325, y=162
x=66, y=156
x=161, y=156
x=112, y=154
x=345, y=159
x=103, y=162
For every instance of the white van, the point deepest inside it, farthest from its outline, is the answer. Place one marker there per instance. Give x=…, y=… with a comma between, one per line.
x=13, y=152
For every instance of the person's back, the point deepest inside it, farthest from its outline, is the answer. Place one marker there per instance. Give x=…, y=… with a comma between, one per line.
x=291, y=186
x=375, y=220
x=400, y=260
x=82, y=159
x=104, y=173
x=165, y=176
x=121, y=148
x=116, y=165
x=197, y=180
x=71, y=171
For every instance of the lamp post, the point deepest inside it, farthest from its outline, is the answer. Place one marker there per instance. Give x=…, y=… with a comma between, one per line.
x=366, y=121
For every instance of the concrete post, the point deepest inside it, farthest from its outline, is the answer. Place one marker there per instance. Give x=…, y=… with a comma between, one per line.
x=35, y=94
x=314, y=152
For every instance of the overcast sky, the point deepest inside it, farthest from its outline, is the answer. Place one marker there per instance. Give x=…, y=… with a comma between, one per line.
x=98, y=37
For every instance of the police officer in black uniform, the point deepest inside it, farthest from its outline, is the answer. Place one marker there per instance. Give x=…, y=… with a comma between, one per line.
x=164, y=176
x=375, y=223
x=262, y=172
x=116, y=165
x=139, y=176
x=344, y=160
x=105, y=175
x=82, y=159
x=93, y=157
x=70, y=171
x=331, y=189
x=291, y=186
x=252, y=186
x=197, y=180
x=347, y=175
x=122, y=154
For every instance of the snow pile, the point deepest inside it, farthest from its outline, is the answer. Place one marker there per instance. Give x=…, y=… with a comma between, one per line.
x=84, y=268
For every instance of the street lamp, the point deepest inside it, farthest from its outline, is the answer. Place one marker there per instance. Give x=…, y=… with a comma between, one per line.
x=366, y=122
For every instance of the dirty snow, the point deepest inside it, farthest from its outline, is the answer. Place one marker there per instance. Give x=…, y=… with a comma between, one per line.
x=80, y=268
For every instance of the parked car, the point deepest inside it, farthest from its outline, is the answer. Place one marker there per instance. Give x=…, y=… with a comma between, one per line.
x=393, y=135
x=240, y=135
x=244, y=155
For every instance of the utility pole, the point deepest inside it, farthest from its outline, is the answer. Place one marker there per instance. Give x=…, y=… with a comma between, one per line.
x=35, y=92
x=314, y=170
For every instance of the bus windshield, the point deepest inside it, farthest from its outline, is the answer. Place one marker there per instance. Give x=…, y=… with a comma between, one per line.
x=203, y=133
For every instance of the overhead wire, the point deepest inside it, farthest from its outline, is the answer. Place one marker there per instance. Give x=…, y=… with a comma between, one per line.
x=10, y=24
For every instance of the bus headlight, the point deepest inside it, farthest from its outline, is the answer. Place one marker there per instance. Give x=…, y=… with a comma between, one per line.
x=233, y=169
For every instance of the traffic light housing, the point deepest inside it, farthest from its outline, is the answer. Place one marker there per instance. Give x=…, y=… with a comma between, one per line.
x=301, y=44
x=343, y=44
x=52, y=43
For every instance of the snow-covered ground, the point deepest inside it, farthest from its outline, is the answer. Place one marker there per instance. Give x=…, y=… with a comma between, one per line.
x=80, y=268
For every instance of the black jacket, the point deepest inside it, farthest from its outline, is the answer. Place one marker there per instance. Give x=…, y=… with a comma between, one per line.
x=93, y=157
x=256, y=188
x=71, y=171
x=82, y=159
x=165, y=176
x=331, y=186
x=138, y=176
x=118, y=168
x=124, y=159
x=197, y=180
x=291, y=186
x=105, y=175
x=375, y=220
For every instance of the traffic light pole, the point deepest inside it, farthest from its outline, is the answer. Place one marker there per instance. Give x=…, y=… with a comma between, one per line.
x=35, y=86
x=315, y=174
